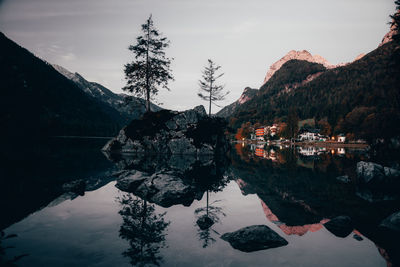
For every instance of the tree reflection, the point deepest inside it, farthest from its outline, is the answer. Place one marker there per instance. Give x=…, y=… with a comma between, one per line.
x=144, y=229
x=3, y=260
x=207, y=217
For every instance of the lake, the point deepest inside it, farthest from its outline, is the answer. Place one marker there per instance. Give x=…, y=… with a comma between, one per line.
x=292, y=190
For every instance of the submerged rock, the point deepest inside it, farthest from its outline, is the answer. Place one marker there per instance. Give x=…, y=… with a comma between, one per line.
x=340, y=226
x=253, y=238
x=164, y=188
x=170, y=132
x=358, y=237
x=132, y=181
x=344, y=179
x=390, y=172
x=375, y=194
x=373, y=173
x=204, y=222
x=369, y=171
x=392, y=222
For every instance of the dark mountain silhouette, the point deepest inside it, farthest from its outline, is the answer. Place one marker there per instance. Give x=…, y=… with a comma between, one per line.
x=36, y=100
x=134, y=110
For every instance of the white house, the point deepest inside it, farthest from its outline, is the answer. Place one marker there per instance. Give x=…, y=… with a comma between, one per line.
x=341, y=138
x=311, y=151
x=308, y=136
x=312, y=136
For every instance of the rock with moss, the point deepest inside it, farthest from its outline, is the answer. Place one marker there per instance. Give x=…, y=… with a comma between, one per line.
x=171, y=132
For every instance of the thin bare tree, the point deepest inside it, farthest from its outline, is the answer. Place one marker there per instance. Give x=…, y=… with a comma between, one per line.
x=209, y=89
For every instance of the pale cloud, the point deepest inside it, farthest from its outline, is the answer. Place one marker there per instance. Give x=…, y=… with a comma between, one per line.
x=68, y=57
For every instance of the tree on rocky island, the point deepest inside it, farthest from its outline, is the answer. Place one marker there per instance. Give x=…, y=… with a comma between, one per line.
x=209, y=90
x=150, y=70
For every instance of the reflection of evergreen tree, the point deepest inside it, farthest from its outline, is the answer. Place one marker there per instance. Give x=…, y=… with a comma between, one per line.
x=144, y=230
x=206, y=237
x=207, y=216
x=3, y=260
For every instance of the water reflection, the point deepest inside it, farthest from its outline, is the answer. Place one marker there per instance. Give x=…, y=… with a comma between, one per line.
x=170, y=180
x=32, y=174
x=299, y=191
x=144, y=229
x=294, y=194
x=206, y=217
x=3, y=260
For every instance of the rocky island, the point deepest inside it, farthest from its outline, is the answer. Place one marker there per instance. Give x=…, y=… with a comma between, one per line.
x=171, y=132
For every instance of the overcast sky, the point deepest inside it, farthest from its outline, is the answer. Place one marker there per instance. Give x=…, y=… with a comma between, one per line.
x=244, y=37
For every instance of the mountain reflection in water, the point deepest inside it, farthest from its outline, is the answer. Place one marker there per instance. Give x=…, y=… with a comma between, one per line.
x=294, y=191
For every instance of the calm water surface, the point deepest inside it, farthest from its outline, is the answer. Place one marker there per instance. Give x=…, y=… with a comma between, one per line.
x=293, y=191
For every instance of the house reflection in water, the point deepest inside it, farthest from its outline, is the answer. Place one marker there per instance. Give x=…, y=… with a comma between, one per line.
x=310, y=151
x=338, y=151
x=266, y=154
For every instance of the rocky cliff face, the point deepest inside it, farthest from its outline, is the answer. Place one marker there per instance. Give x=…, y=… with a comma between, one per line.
x=299, y=55
x=171, y=132
x=247, y=94
x=388, y=36
x=117, y=101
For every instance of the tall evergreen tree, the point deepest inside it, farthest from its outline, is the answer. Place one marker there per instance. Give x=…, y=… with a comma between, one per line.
x=292, y=123
x=396, y=22
x=395, y=25
x=209, y=90
x=150, y=69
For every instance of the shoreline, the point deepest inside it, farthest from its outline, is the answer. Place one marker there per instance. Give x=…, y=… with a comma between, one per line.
x=329, y=144
x=332, y=144
x=81, y=137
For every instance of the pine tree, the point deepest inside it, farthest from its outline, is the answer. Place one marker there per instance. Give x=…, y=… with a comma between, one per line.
x=395, y=27
x=209, y=90
x=150, y=69
x=292, y=123
x=396, y=22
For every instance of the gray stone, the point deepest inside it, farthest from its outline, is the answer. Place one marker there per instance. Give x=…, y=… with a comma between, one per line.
x=369, y=171
x=163, y=188
x=180, y=162
x=170, y=134
x=204, y=222
x=392, y=222
x=200, y=110
x=181, y=121
x=374, y=195
x=340, y=226
x=121, y=137
x=253, y=238
x=171, y=124
x=206, y=149
x=129, y=183
x=344, y=179
x=138, y=147
x=128, y=146
x=181, y=146
x=171, y=190
x=110, y=145
x=193, y=116
x=390, y=172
